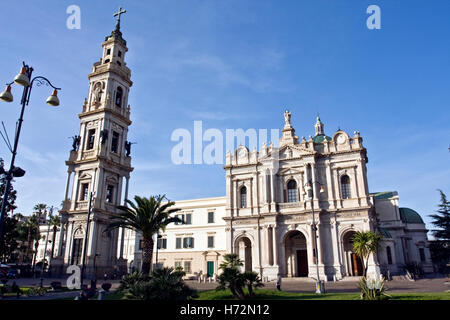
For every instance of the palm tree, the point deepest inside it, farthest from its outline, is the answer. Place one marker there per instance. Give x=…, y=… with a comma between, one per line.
x=364, y=244
x=39, y=208
x=147, y=216
x=232, y=277
x=32, y=226
x=55, y=222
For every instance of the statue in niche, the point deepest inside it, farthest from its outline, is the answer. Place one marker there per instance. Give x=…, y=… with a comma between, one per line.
x=76, y=142
x=108, y=99
x=287, y=118
x=98, y=92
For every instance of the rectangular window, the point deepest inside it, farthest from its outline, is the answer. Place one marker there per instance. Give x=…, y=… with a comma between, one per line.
x=162, y=243
x=91, y=139
x=187, y=266
x=108, y=51
x=188, y=243
x=177, y=264
x=210, y=241
x=115, y=142
x=141, y=244
x=188, y=218
x=109, y=194
x=84, y=191
x=422, y=254
x=211, y=217
x=119, y=53
x=178, y=243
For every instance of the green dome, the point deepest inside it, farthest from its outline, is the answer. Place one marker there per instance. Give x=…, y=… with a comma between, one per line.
x=410, y=216
x=385, y=233
x=319, y=138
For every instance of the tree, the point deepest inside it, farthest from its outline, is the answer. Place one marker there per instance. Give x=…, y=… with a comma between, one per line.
x=147, y=216
x=364, y=244
x=29, y=232
x=10, y=204
x=252, y=281
x=55, y=222
x=440, y=248
x=8, y=241
x=232, y=277
x=40, y=208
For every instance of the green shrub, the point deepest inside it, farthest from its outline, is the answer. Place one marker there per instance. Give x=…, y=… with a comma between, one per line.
x=372, y=289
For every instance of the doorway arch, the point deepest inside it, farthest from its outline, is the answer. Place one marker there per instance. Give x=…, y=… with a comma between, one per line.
x=353, y=264
x=296, y=254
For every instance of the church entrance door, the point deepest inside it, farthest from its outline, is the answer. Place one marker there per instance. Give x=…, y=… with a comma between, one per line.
x=357, y=267
x=302, y=263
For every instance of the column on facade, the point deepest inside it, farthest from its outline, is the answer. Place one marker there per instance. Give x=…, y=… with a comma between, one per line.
x=235, y=197
x=122, y=231
x=269, y=250
x=356, y=185
x=250, y=195
x=60, y=239
x=68, y=251
x=338, y=188
x=330, y=190
x=319, y=242
x=274, y=245
x=314, y=184
x=272, y=190
x=335, y=243
x=69, y=174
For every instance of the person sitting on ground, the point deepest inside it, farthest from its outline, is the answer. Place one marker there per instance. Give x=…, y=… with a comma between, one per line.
x=16, y=289
x=279, y=282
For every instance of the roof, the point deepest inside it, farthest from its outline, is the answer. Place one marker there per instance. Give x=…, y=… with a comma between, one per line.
x=410, y=216
x=319, y=138
x=384, y=232
x=383, y=195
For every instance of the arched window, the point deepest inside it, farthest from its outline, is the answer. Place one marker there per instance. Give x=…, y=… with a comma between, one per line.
x=292, y=191
x=119, y=94
x=243, y=197
x=345, y=187
x=389, y=254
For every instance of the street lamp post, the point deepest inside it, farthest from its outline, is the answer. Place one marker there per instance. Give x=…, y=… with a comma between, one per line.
x=23, y=79
x=319, y=284
x=45, y=247
x=83, y=263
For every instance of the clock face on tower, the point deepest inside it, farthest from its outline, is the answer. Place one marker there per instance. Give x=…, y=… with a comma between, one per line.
x=340, y=139
x=241, y=153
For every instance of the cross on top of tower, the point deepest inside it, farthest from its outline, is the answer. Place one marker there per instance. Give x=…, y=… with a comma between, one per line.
x=117, y=14
x=116, y=32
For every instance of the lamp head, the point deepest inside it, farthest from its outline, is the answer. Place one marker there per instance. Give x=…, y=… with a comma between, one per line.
x=22, y=78
x=322, y=189
x=308, y=186
x=7, y=95
x=18, y=172
x=53, y=99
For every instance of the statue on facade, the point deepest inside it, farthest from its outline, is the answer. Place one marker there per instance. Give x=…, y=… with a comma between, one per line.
x=287, y=118
x=76, y=142
x=98, y=92
x=128, y=148
x=104, y=135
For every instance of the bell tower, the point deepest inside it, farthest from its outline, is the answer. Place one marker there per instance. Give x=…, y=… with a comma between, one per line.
x=99, y=165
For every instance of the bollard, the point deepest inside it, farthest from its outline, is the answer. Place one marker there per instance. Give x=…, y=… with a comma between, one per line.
x=101, y=295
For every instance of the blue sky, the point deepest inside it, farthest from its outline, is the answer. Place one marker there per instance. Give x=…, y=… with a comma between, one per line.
x=239, y=64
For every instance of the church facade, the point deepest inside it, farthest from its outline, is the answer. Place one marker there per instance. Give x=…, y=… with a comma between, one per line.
x=276, y=197
x=289, y=210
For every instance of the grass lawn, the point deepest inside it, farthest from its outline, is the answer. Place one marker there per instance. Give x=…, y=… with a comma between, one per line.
x=282, y=295
x=264, y=294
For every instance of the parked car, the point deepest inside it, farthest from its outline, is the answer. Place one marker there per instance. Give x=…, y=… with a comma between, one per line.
x=12, y=274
